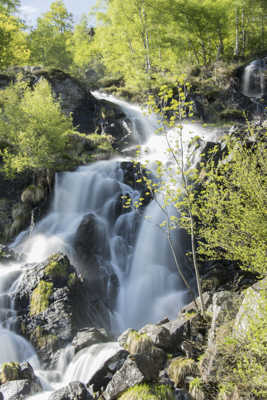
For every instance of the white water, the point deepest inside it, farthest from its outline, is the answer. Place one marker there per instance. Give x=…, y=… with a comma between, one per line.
x=253, y=79
x=149, y=286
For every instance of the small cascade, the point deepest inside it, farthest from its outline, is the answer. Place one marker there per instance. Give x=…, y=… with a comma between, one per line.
x=140, y=127
x=253, y=85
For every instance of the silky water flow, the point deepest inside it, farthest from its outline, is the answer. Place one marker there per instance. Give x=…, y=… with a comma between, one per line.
x=149, y=286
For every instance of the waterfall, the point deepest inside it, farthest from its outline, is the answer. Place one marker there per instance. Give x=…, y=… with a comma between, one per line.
x=135, y=250
x=253, y=81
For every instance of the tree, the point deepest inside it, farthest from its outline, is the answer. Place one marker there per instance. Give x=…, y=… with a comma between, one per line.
x=84, y=52
x=133, y=41
x=33, y=129
x=48, y=42
x=13, y=44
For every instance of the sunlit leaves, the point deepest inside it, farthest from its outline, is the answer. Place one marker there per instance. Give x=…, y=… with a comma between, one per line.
x=33, y=127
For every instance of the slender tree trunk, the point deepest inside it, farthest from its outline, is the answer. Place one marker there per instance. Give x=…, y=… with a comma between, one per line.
x=262, y=32
x=145, y=37
x=192, y=229
x=243, y=32
x=236, y=52
x=220, y=51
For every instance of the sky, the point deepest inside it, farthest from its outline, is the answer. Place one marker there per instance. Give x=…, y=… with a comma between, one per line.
x=32, y=9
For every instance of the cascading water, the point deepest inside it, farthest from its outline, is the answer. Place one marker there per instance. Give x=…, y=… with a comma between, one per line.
x=254, y=79
x=138, y=254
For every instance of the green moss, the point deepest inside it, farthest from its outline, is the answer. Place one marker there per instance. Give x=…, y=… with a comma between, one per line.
x=138, y=343
x=231, y=114
x=10, y=372
x=42, y=339
x=148, y=392
x=180, y=368
x=72, y=280
x=40, y=297
x=57, y=268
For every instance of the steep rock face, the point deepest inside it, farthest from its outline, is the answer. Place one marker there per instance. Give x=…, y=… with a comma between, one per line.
x=89, y=114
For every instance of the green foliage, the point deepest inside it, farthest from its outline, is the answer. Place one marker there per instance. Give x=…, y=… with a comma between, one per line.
x=40, y=297
x=13, y=45
x=231, y=206
x=148, y=392
x=48, y=41
x=243, y=360
x=9, y=6
x=33, y=126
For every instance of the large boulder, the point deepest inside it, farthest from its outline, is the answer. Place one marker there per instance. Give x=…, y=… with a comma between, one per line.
x=20, y=389
x=112, y=361
x=18, y=381
x=252, y=308
x=49, y=307
x=92, y=250
x=89, y=336
x=138, y=368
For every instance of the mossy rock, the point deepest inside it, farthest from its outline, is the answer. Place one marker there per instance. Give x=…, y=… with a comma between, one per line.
x=21, y=211
x=42, y=339
x=148, y=392
x=180, y=368
x=57, y=268
x=40, y=297
x=138, y=343
x=33, y=194
x=10, y=371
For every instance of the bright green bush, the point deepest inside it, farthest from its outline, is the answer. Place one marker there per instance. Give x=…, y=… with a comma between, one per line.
x=232, y=206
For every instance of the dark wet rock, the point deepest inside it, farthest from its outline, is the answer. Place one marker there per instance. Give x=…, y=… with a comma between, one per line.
x=20, y=389
x=91, y=245
x=181, y=394
x=111, y=364
x=74, y=391
x=89, y=336
x=91, y=239
x=22, y=202
x=50, y=308
x=225, y=275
